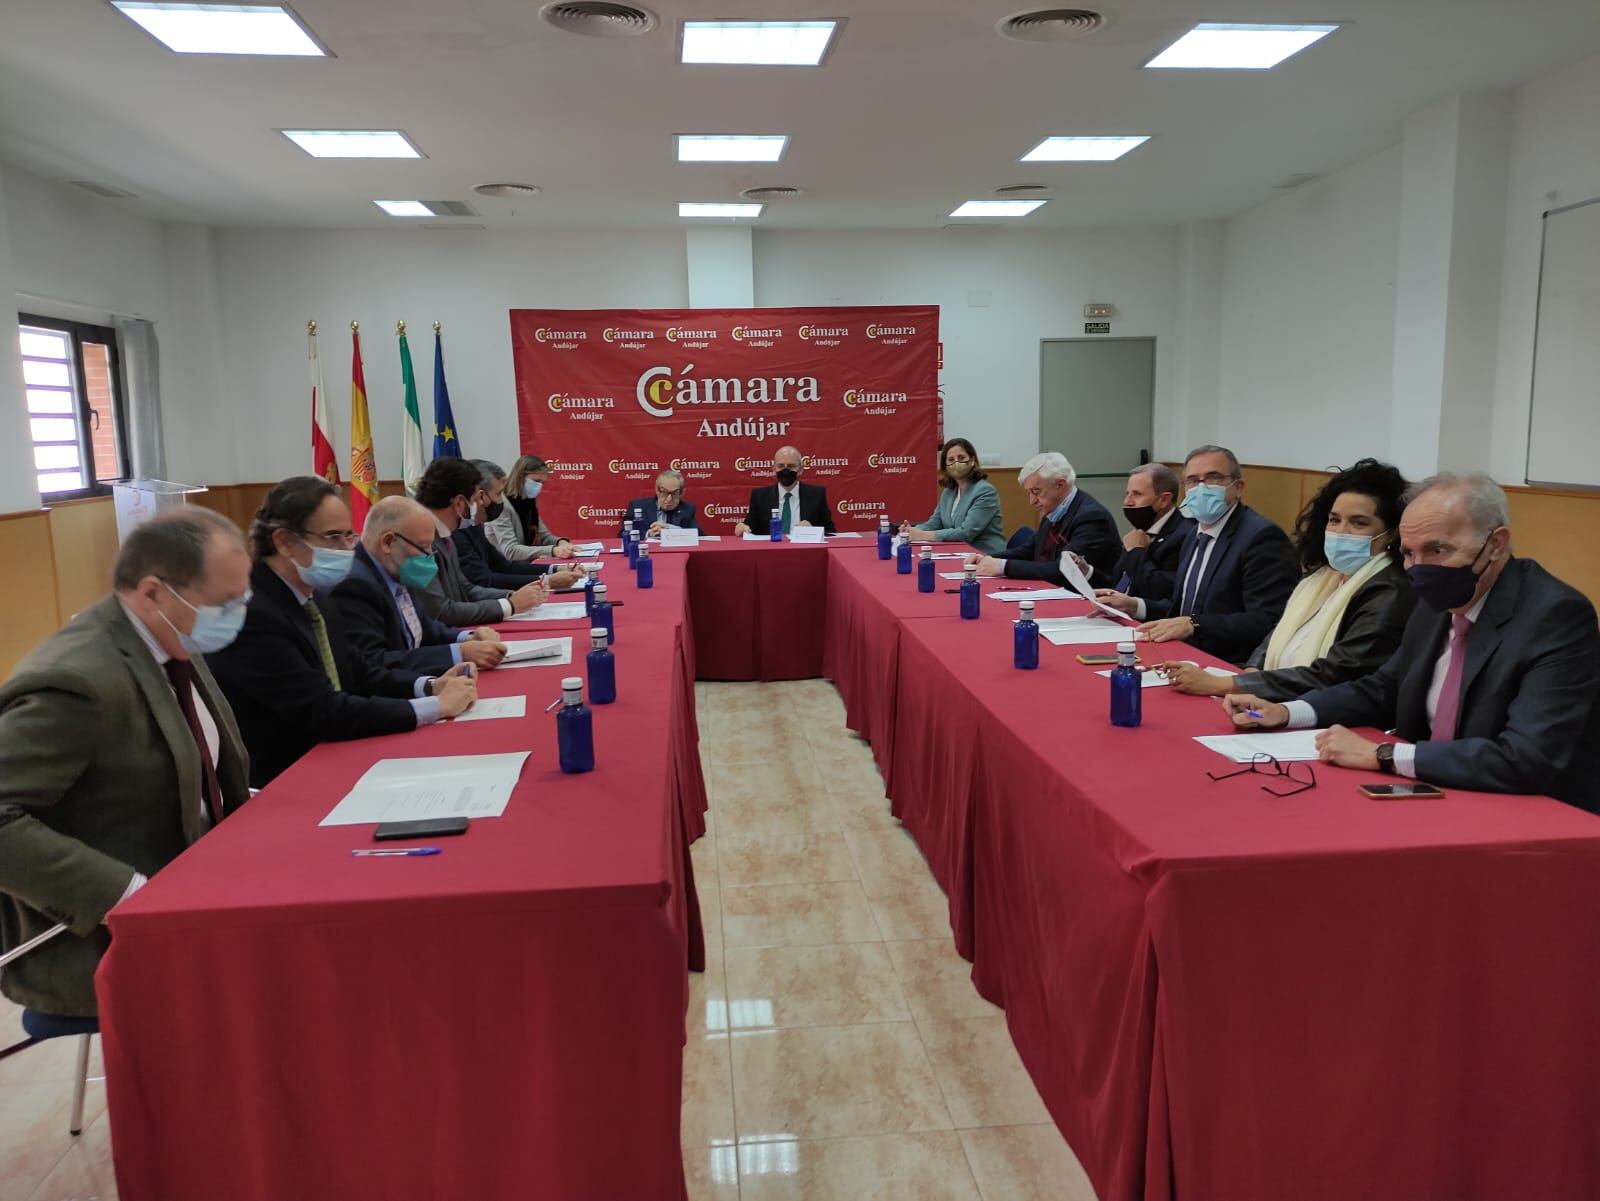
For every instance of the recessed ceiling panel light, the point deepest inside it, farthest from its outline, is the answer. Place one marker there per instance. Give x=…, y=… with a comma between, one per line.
x=1212, y=46
x=997, y=208
x=757, y=43
x=731, y=147
x=353, y=143
x=697, y=209
x=404, y=208
x=1082, y=150
x=222, y=28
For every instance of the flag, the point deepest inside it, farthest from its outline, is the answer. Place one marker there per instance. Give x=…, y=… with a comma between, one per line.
x=411, y=462
x=322, y=461
x=363, y=469
x=445, y=441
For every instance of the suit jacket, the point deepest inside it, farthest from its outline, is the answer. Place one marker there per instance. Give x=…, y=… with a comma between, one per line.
x=1528, y=721
x=99, y=778
x=455, y=600
x=1150, y=569
x=683, y=517
x=813, y=508
x=972, y=517
x=1085, y=529
x=482, y=563
x=375, y=631
x=273, y=677
x=1368, y=634
x=1246, y=585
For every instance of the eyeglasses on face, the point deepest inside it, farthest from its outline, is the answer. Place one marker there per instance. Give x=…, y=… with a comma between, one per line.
x=669, y=493
x=335, y=539
x=1300, y=774
x=1214, y=478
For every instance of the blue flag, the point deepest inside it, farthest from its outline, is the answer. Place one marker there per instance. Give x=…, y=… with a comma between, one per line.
x=445, y=439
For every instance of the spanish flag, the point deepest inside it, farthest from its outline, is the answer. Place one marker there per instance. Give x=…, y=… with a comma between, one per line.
x=363, y=470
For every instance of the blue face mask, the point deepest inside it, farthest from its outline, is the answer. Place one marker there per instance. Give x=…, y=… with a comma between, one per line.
x=328, y=567
x=1207, y=502
x=532, y=488
x=215, y=626
x=1348, y=553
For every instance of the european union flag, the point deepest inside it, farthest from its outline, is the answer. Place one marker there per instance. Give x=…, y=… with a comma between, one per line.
x=445, y=440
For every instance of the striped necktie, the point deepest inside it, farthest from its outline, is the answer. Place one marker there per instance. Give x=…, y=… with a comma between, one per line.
x=319, y=627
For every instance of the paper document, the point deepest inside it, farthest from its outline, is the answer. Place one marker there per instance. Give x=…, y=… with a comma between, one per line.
x=1147, y=679
x=1287, y=747
x=554, y=611
x=807, y=534
x=406, y=790
x=951, y=575
x=855, y=534
x=949, y=554
x=749, y=537
x=1081, y=631
x=673, y=536
x=487, y=707
x=586, y=550
x=1080, y=584
x=1035, y=594
x=535, y=648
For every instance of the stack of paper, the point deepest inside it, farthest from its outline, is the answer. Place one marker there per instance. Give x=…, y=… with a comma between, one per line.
x=1082, y=631
x=672, y=536
x=487, y=707
x=554, y=611
x=404, y=790
x=1034, y=594
x=1290, y=747
x=851, y=534
x=1149, y=678
x=538, y=652
x=587, y=550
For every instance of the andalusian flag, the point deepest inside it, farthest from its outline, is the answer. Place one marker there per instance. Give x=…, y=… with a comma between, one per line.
x=363, y=469
x=445, y=442
x=411, y=462
x=323, y=462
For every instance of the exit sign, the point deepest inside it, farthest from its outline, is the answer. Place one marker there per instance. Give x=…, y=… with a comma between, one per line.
x=1097, y=327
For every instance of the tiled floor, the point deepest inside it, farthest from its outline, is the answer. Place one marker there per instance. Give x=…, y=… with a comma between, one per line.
x=837, y=1050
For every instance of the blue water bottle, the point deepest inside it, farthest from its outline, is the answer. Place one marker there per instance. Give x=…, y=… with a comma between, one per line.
x=630, y=546
x=1025, y=639
x=601, y=615
x=925, y=569
x=1127, y=693
x=602, y=669
x=574, y=729
x=902, y=556
x=638, y=523
x=970, y=596
x=775, y=530
x=885, y=539
x=645, y=566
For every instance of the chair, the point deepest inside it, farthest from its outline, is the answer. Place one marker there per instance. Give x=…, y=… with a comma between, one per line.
x=1021, y=538
x=40, y=1027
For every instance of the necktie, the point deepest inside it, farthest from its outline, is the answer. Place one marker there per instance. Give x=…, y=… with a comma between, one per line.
x=1191, y=586
x=408, y=614
x=319, y=628
x=1448, y=709
x=788, y=514
x=181, y=673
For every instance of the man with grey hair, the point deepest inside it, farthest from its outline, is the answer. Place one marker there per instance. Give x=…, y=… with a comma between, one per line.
x=795, y=503
x=1150, y=550
x=1493, y=686
x=666, y=508
x=1070, y=522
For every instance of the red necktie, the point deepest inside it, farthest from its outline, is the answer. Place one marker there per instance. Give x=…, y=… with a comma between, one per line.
x=181, y=673
x=1447, y=712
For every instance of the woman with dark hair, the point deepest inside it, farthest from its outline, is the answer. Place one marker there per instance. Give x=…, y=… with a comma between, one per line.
x=969, y=507
x=517, y=533
x=1346, y=616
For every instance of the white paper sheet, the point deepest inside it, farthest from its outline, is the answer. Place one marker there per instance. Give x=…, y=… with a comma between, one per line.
x=949, y=554
x=561, y=657
x=1079, y=583
x=808, y=534
x=531, y=649
x=1147, y=679
x=749, y=537
x=673, y=536
x=486, y=708
x=951, y=575
x=404, y=790
x=1082, y=631
x=587, y=550
x=1034, y=594
x=1291, y=746
x=554, y=611
x=852, y=534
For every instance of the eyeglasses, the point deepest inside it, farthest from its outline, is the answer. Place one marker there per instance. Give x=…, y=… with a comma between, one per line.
x=421, y=550
x=336, y=539
x=1299, y=773
x=1213, y=478
x=669, y=493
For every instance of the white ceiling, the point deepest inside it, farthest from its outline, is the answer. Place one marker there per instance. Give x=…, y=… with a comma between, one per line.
x=921, y=105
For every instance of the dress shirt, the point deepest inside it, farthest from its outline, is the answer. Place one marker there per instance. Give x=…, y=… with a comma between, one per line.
x=793, y=490
x=408, y=614
x=506, y=611
x=1200, y=561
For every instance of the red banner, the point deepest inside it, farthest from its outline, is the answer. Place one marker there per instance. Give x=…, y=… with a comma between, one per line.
x=611, y=397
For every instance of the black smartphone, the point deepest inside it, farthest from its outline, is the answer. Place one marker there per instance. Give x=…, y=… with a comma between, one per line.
x=433, y=827
x=1401, y=792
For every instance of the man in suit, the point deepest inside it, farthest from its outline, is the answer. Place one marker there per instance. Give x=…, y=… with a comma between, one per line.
x=1070, y=522
x=1235, y=570
x=378, y=601
x=289, y=676
x=666, y=507
x=449, y=489
x=1150, y=550
x=796, y=503
x=482, y=562
x=1495, y=680
x=117, y=750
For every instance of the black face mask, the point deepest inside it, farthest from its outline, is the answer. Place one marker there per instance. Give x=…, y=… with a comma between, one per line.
x=1444, y=588
x=493, y=509
x=1141, y=517
x=787, y=476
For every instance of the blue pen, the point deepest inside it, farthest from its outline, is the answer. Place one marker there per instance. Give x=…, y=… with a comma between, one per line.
x=1253, y=713
x=365, y=854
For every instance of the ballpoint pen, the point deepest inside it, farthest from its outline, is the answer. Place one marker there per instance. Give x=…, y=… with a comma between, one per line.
x=388, y=853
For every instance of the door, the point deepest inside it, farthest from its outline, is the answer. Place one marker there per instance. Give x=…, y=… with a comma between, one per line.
x=1096, y=397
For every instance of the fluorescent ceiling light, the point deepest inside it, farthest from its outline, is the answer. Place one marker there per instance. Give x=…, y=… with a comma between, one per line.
x=757, y=43
x=353, y=143
x=404, y=208
x=731, y=147
x=688, y=208
x=222, y=28
x=1238, y=47
x=997, y=208
x=1082, y=150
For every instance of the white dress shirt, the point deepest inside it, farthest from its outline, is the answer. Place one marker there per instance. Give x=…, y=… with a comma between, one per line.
x=794, y=505
x=1198, y=563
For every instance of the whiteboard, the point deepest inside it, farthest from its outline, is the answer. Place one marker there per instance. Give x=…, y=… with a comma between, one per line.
x=1564, y=422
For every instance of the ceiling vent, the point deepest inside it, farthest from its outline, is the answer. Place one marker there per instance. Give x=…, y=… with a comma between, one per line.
x=773, y=192
x=507, y=191
x=599, y=19
x=449, y=208
x=1052, y=25
x=1289, y=182
x=1025, y=191
x=102, y=189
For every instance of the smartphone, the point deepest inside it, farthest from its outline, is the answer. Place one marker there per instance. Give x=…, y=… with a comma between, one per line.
x=1401, y=792
x=1098, y=660
x=433, y=827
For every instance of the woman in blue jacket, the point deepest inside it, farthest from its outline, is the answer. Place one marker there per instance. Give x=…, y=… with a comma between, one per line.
x=969, y=507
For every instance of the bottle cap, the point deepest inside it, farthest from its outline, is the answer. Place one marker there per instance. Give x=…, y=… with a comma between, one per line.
x=599, y=590
x=1026, y=607
x=1125, y=648
x=572, y=684
x=927, y=550
x=644, y=549
x=972, y=573
x=638, y=512
x=774, y=512
x=598, y=635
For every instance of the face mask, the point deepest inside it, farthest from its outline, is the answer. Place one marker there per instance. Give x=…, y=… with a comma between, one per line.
x=1140, y=517
x=1347, y=553
x=787, y=476
x=492, y=510
x=328, y=567
x=1207, y=502
x=959, y=471
x=532, y=488
x=215, y=626
x=418, y=571
x=470, y=520
x=1444, y=588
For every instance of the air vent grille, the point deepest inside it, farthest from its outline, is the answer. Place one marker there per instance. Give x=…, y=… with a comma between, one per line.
x=1052, y=25
x=599, y=19
x=507, y=191
x=1025, y=191
x=773, y=192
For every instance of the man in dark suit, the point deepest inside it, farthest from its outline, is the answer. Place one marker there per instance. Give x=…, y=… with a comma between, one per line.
x=482, y=562
x=117, y=750
x=290, y=676
x=378, y=604
x=1235, y=570
x=1150, y=550
x=666, y=507
x=451, y=490
x=796, y=503
x=1495, y=680
x=1070, y=522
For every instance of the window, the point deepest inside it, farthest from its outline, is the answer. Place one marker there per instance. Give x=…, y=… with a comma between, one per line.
x=74, y=406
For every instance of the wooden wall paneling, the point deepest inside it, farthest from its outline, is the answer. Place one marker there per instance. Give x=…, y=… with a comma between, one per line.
x=83, y=535
x=28, y=609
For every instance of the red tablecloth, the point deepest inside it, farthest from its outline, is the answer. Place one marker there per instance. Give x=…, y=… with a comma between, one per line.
x=283, y=1021
x=758, y=608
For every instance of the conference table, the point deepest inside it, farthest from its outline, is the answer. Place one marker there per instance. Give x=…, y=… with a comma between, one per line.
x=1219, y=993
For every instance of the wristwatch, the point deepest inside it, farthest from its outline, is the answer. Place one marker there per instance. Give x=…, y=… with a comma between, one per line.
x=427, y=686
x=1386, y=758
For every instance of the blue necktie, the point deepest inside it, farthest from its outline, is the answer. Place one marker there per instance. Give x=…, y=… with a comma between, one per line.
x=1192, y=587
